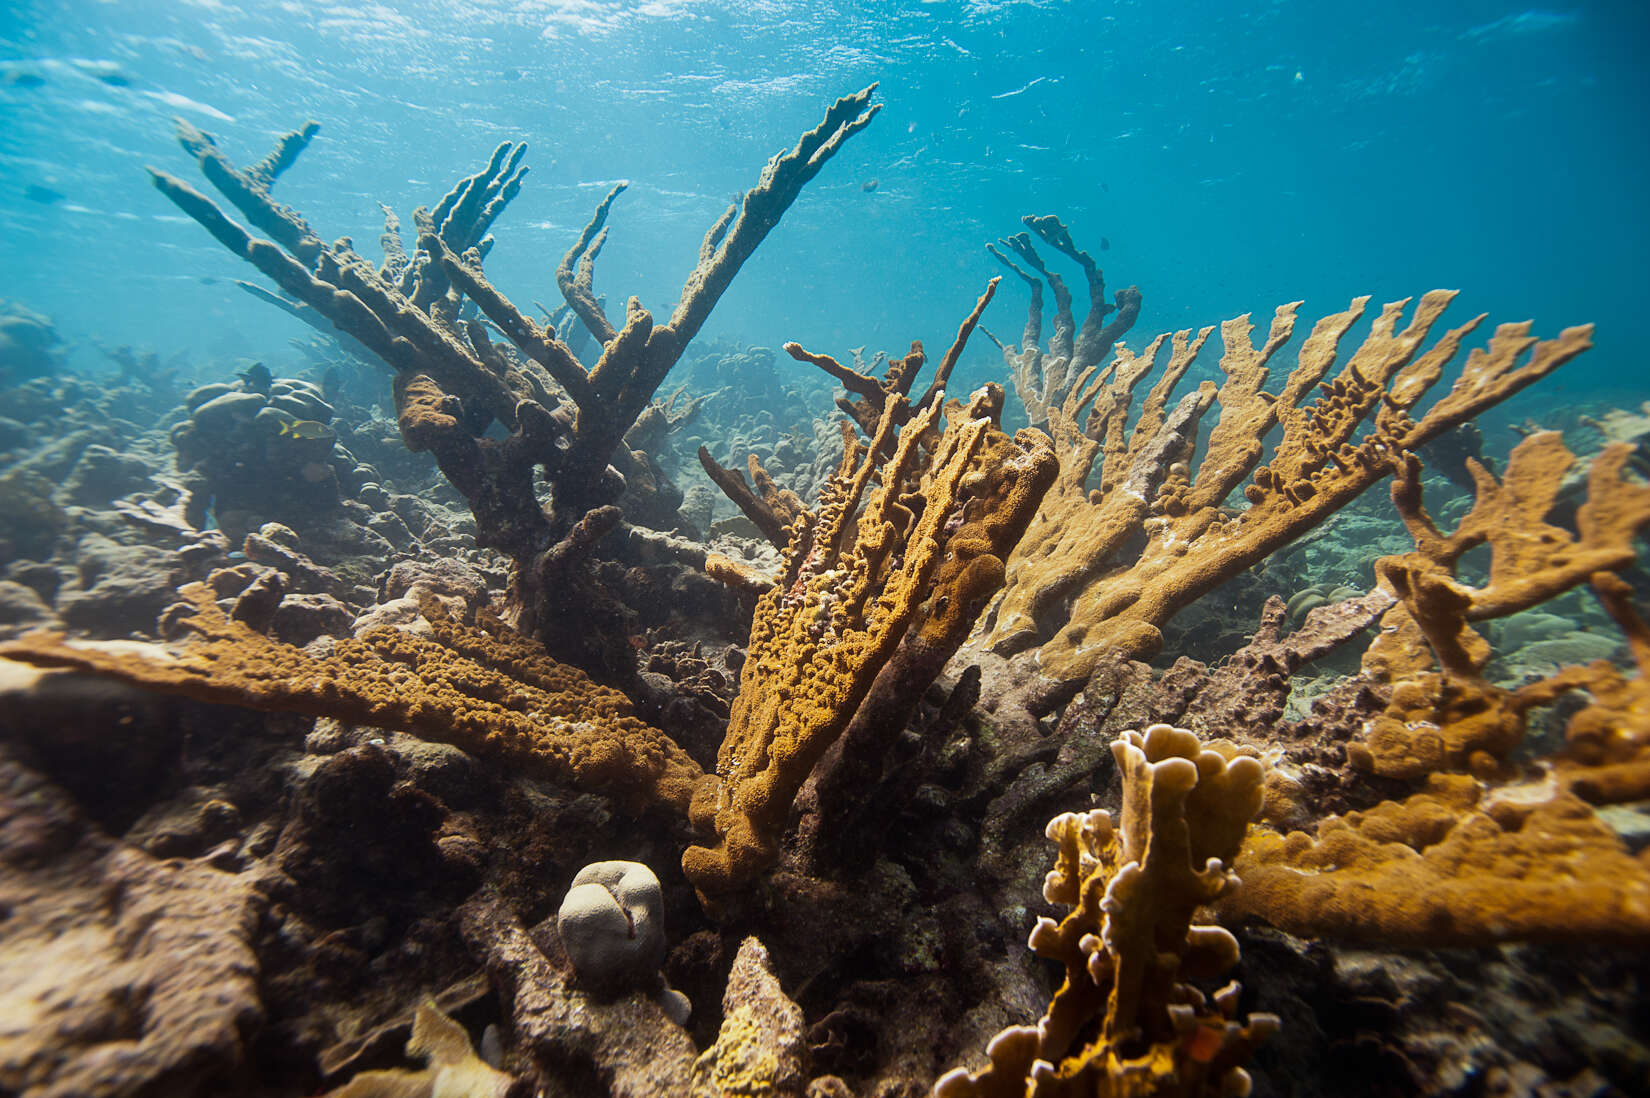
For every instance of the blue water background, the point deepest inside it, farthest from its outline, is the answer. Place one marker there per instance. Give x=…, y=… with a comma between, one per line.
x=1234, y=156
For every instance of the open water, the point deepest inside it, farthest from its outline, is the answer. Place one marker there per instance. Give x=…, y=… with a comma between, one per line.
x=1232, y=156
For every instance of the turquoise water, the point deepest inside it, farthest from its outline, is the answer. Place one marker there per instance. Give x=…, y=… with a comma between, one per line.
x=1233, y=157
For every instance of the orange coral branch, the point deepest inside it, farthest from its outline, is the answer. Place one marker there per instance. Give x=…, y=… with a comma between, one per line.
x=1449, y=867
x=918, y=560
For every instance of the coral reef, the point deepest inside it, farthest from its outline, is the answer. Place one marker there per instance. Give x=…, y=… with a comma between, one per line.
x=1486, y=852
x=417, y=313
x=1084, y=583
x=1131, y=952
x=871, y=604
x=346, y=831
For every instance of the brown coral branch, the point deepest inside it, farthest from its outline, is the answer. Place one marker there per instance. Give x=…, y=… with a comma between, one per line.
x=772, y=512
x=1043, y=380
x=1133, y=957
x=416, y=314
x=480, y=688
x=575, y=277
x=1083, y=582
x=918, y=559
x=1467, y=860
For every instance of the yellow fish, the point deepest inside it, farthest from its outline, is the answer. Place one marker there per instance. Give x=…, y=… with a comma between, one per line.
x=305, y=429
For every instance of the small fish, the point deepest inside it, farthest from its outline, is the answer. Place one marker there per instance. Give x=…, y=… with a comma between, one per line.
x=305, y=429
x=868, y=186
x=256, y=378
x=34, y=192
x=1105, y=244
x=25, y=79
x=1105, y=187
x=115, y=79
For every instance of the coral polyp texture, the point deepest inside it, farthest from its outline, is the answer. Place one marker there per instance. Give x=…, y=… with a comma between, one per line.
x=863, y=593
x=877, y=596
x=1489, y=849
x=1138, y=526
x=480, y=688
x=1130, y=1017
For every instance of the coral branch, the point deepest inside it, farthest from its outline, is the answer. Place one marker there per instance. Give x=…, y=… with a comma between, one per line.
x=1043, y=380
x=576, y=275
x=415, y=313
x=1132, y=955
x=1085, y=582
x=915, y=567
x=486, y=690
x=1470, y=859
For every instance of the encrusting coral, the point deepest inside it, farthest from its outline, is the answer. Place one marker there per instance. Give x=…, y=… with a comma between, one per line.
x=418, y=314
x=1131, y=532
x=871, y=604
x=480, y=688
x=1129, y=1019
x=1488, y=850
x=761, y=1050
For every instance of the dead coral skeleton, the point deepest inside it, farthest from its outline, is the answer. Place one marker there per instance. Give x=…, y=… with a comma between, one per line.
x=421, y=315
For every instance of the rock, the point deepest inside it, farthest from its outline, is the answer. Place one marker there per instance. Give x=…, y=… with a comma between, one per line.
x=284, y=536
x=118, y=588
x=303, y=406
x=623, y=1046
x=443, y=577
x=762, y=1049
x=255, y=606
x=120, y=975
x=373, y=495
x=22, y=609
x=227, y=412
x=207, y=393
x=301, y=618
x=103, y=474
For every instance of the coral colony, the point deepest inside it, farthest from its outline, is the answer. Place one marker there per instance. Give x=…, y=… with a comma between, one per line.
x=946, y=635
